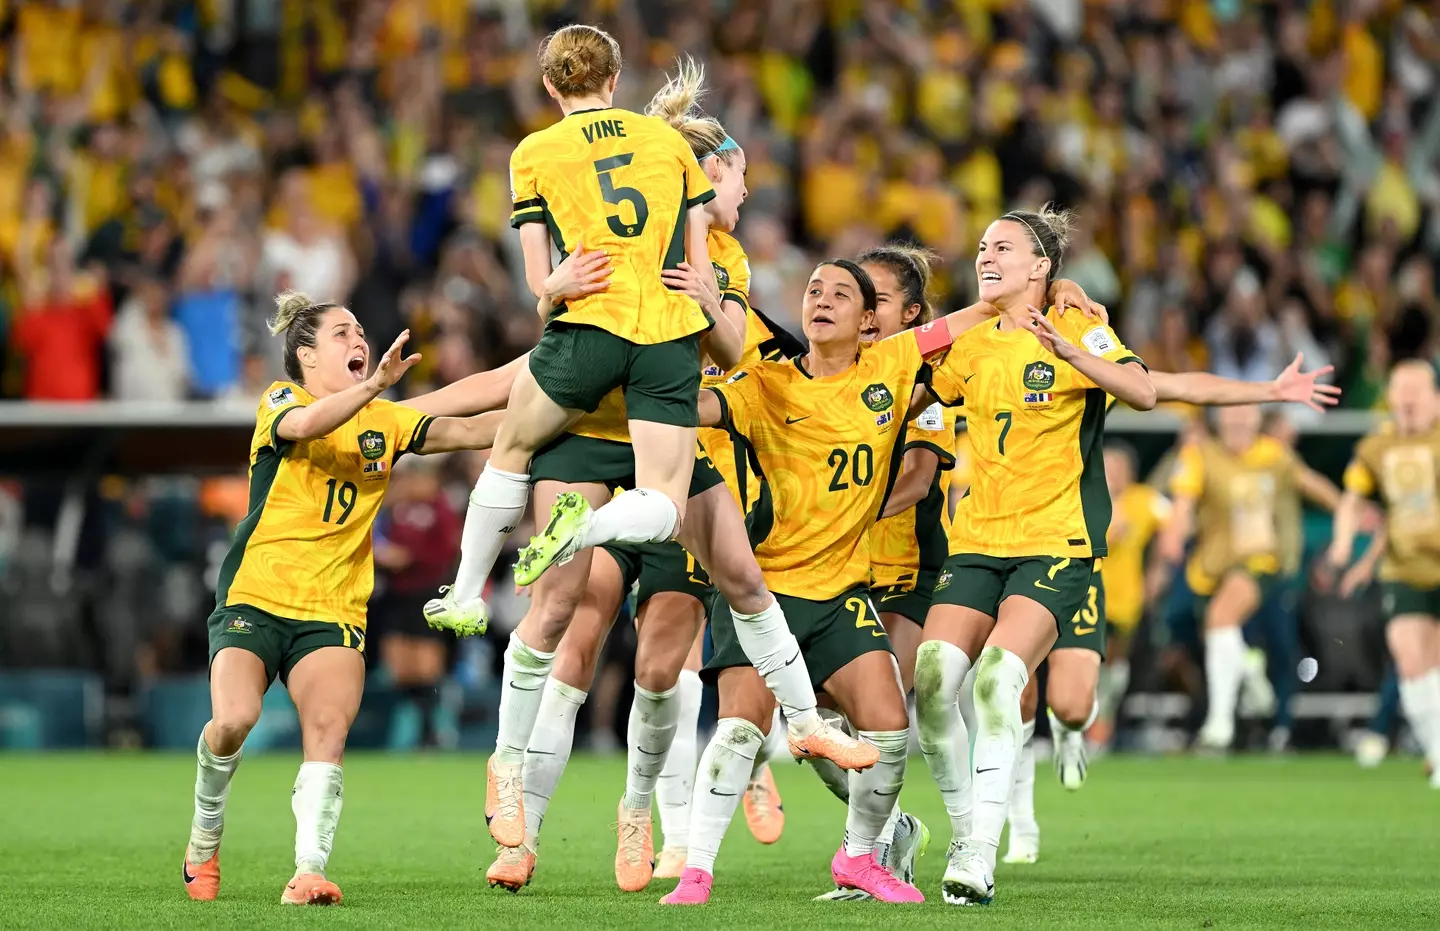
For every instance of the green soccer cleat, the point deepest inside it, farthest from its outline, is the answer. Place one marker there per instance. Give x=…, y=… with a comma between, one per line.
x=466, y=619
x=558, y=543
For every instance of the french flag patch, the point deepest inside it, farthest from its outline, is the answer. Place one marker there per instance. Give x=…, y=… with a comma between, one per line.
x=1042, y=397
x=377, y=466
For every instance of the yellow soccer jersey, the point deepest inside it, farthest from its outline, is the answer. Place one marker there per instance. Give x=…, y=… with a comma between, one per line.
x=620, y=182
x=1405, y=472
x=732, y=272
x=825, y=450
x=304, y=551
x=908, y=543
x=1036, y=430
x=1236, y=505
x=1140, y=512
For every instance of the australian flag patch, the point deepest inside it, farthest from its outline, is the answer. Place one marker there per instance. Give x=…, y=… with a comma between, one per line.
x=1038, y=397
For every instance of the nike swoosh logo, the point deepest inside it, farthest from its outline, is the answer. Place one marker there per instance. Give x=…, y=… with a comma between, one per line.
x=649, y=753
x=790, y=420
x=886, y=794
x=877, y=633
x=792, y=659
x=185, y=871
x=521, y=688
x=988, y=769
x=1046, y=587
x=722, y=794
x=541, y=752
x=968, y=377
x=1082, y=631
x=892, y=596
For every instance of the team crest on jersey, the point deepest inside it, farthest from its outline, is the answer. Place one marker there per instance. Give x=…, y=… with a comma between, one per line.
x=943, y=582
x=722, y=277
x=372, y=444
x=877, y=397
x=238, y=625
x=1039, y=376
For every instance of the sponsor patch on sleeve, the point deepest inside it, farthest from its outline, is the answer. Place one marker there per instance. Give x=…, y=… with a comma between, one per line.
x=280, y=397
x=1098, y=341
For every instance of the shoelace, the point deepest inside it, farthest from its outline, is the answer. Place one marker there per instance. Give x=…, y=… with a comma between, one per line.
x=759, y=794
x=511, y=856
x=632, y=840
x=508, y=790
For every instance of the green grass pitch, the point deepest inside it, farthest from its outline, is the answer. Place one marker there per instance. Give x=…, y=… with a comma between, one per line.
x=94, y=841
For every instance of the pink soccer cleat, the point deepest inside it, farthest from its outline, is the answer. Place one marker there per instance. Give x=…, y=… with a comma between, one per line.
x=694, y=888
x=865, y=874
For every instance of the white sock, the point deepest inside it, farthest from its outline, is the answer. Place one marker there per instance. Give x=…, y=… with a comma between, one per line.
x=967, y=709
x=497, y=504
x=940, y=670
x=522, y=687
x=887, y=833
x=1022, y=791
x=1114, y=680
x=651, y=731
x=1224, y=669
x=677, y=779
x=776, y=746
x=550, y=744
x=999, y=679
x=874, y=792
x=1073, y=728
x=775, y=654
x=212, y=786
x=318, y=797
x=638, y=515
x=1420, y=700
x=724, y=771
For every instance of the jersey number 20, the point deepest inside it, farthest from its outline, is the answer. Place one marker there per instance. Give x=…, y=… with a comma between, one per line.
x=621, y=195
x=862, y=467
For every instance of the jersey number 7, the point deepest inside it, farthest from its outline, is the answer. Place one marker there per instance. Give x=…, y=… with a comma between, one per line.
x=621, y=195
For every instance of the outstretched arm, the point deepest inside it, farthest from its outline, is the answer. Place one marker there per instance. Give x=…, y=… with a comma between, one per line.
x=917, y=473
x=483, y=391
x=448, y=434
x=328, y=413
x=1207, y=389
x=1125, y=381
x=1317, y=488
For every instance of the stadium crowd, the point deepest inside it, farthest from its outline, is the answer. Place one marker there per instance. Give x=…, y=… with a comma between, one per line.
x=1254, y=180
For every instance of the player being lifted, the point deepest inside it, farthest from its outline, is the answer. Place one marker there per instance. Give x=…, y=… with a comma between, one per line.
x=290, y=601
x=1023, y=543
x=1400, y=463
x=1230, y=492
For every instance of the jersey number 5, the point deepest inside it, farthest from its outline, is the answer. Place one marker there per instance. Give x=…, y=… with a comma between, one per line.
x=621, y=195
x=343, y=493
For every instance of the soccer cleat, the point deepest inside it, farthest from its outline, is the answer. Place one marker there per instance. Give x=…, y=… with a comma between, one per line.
x=831, y=743
x=558, y=542
x=505, y=803
x=635, y=850
x=864, y=874
x=672, y=863
x=466, y=619
x=912, y=839
x=1215, y=738
x=310, y=889
x=694, y=888
x=1024, y=843
x=1070, y=757
x=1371, y=750
x=1257, y=695
x=764, y=812
x=968, y=880
x=513, y=868
x=202, y=880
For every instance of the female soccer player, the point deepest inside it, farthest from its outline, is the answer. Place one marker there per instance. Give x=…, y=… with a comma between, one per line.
x=629, y=186
x=824, y=434
x=1023, y=543
x=1401, y=462
x=674, y=589
x=1231, y=492
x=292, y=590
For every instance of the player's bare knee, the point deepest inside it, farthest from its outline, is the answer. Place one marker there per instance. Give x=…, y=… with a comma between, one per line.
x=1070, y=703
x=229, y=727
x=657, y=672
x=323, y=733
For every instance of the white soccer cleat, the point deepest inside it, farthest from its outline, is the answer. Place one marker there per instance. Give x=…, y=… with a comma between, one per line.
x=1371, y=750
x=968, y=879
x=1024, y=844
x=1215, y=737
x=1071, y=760
x=1257, y=695
x=466, y=619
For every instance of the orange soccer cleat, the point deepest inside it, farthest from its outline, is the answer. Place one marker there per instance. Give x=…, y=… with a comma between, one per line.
x=513, y=869
x=764, y=813
x=202, y=880
x=831, y=743
x=635, y=849
x=505, y=803
x=310, y=889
